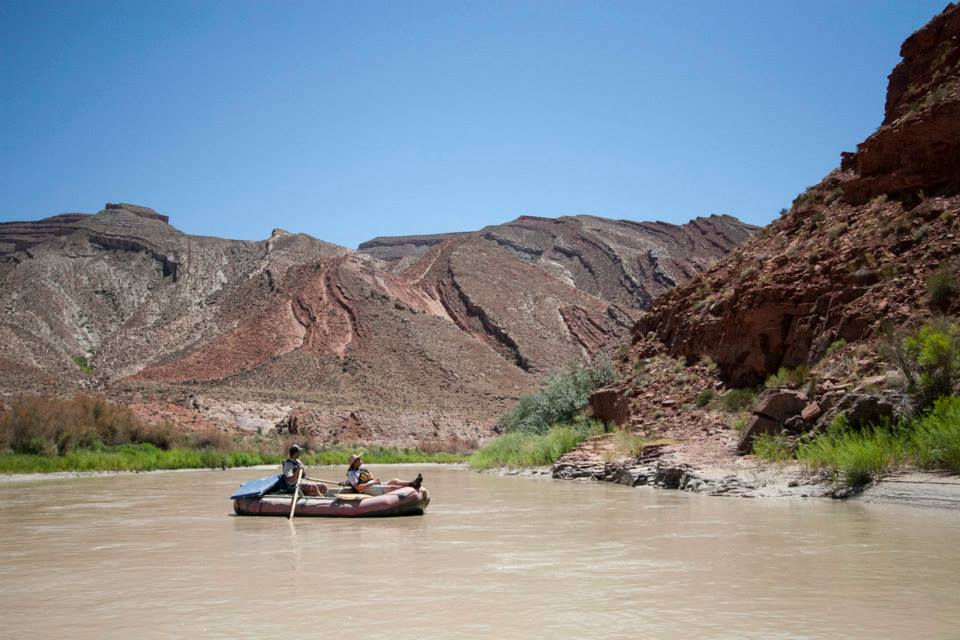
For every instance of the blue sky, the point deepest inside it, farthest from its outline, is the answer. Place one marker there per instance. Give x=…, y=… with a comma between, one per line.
x=348, y=120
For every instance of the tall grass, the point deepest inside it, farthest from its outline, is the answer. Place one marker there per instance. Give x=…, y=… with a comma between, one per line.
x=937, y=436
x=784, y=377
x=858, y=456
x=736, y=400
x=525, y=449
x=148, y=457
x=772, y=447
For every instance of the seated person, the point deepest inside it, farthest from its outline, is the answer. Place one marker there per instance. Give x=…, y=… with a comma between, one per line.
x=292, y=468
x=361, y=480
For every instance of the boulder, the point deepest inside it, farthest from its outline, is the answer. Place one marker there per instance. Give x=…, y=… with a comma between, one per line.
x=781, y=404
x=862, y=409
x=795, y=425
x=609, y=404
x=770, y=414
x=811, y=412
x=758, y=425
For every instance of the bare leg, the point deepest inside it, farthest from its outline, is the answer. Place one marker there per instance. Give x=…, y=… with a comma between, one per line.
x=400, y=483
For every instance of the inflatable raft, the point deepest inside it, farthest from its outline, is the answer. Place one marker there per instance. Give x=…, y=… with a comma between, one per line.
x=256, y=499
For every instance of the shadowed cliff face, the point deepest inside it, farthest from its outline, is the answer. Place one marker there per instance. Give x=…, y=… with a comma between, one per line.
x=407, y=341
x=853, y=252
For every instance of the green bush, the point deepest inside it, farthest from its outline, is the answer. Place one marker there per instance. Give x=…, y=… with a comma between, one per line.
x=84, y=364
x=561, y=398
x=788, y=377
x=737, y=400
x=531, y=449
x=930, y=360
x=937, y=436
x=704, y=398
x=942, y=286
x=836, y=345
x=773, y=447
x=740, y=424
x=857, y=456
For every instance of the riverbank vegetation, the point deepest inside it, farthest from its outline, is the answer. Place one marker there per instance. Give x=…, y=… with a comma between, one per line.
x=930, y=361
x=544, y=426
x=561, y=398
x=149, y=457
x=524, y=449
x=89, y=433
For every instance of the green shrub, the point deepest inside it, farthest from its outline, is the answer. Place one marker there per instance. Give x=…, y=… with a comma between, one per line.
x=937, y=436
x=836, y=345
x=942, y=286
x=857, y=456
x=930, y=361
x=788, y=377
x=85, y=366
x=50, y=426
x=561, y=398
x=531, y=449
x=773, y=447
x=740, y=424
x=736, y=400
x=704, y=398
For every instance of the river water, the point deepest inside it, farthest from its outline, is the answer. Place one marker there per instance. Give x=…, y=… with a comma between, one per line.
x=161, y=555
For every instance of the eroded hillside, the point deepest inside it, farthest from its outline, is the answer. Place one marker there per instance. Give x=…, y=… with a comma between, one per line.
x=816, y=296
x=412, y=341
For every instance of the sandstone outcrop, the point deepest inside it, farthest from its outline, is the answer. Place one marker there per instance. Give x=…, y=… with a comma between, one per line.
x=916, y=153
x=833, y=267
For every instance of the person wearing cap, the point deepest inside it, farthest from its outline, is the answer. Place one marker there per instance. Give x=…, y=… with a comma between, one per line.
x=361, y=480
x=292, y=469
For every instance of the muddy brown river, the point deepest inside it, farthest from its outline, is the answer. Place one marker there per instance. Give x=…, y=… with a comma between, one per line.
x=161, y=555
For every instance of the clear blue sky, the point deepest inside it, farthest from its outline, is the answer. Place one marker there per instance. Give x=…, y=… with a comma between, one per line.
x=347, y=120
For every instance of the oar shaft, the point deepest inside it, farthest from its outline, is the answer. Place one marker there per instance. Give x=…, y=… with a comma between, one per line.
x=296, y=490
x=334, y=482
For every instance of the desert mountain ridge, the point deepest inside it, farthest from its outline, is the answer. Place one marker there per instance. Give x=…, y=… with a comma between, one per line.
x=410, y=340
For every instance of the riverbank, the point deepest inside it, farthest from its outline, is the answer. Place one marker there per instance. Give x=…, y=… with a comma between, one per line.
x=148, y=457
x=680, y=468
x=13, y=478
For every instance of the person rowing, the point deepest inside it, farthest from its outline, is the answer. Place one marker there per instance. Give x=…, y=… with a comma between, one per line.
x=292, y=470
x=363, y=481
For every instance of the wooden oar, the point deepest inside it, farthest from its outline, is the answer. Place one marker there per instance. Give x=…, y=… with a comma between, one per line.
x=296, y=490
x=333, y=482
